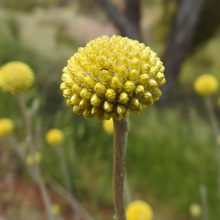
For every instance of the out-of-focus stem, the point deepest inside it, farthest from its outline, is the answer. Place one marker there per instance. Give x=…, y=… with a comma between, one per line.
x=213, y=120
x=63, y=167
x=120, y=144
x=203, y=193
x=36, y=169
x=69, y=198
x=66, y=177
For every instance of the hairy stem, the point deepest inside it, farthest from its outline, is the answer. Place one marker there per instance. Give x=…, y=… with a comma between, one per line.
x=120, y=143
x=36, y=169
x=213, y=120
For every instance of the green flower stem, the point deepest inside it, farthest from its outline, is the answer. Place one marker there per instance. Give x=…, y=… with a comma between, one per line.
x=120, y=144
x=66, y=176
x=213, y=120
x=203, y=193
x=36, y=169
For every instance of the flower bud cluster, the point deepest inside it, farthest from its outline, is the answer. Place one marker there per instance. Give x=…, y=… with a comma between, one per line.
x=112, y=77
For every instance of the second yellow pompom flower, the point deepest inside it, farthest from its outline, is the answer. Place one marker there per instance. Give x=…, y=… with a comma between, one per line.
x=54, y=136
x=6, y=126
x=16, y=77
x=112, y=77
x=139, y=210
x=206, y=84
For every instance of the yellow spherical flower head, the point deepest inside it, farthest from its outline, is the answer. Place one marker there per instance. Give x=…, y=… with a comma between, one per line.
x=54, y=136
x=112, y=77
x=56, y=209
x=16, y=77
x=206, y=84
x=108, y=126
x=29, y=158
x=195, y=210
x=139, y=210
x=6, y=126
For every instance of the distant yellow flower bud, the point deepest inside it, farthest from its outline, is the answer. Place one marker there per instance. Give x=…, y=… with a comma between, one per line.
x=6, y=126
x=54, y=136
x=195, y=210
x=29, y=158
x=16, y=77
x=112, y=77
x=108, y=126
x=139, y=210
x=206, y=84
x=219, y=139
x=56, y=209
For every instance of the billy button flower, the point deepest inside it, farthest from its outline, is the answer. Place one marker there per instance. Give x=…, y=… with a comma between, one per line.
x=112, y=77
x=16, y=77
x=56, y=209
x=139, y=210
x=108, y=126
x=195, y=210
x=109, y=78
x=6, y=126
x=206, y=84
x=54, y=136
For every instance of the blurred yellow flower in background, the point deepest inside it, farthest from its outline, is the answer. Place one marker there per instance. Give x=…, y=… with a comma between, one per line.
x=56, y=209
x=112, y=77
x=139, y=210
x=16, y=77
x=29, y=158
x=54, y=136
x=108, y=126
x=6, y=126
x=206, y=84
x=195, y=210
